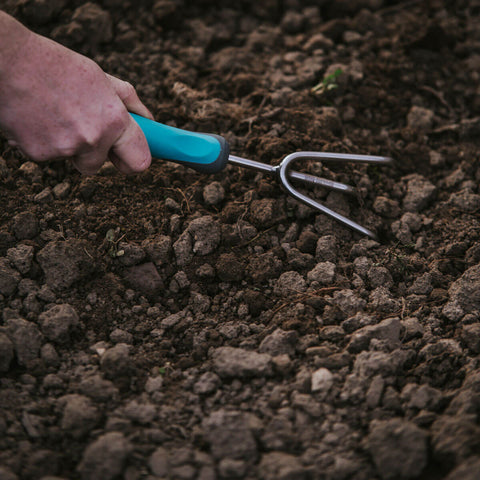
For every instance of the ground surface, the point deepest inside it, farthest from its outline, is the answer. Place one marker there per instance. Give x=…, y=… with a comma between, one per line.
x=178, y=325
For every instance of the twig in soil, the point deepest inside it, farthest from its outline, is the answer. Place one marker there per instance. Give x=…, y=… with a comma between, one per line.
x=398, y=6
x=304, y=296
x=438, y=96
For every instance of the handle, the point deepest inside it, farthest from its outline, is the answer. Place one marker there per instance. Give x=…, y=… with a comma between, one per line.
x=204, y=152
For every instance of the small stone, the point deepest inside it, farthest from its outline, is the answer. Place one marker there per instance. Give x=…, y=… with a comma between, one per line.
x=142, y=413
x=466, y=290
x=65, y=263
x=264, y=267
x=49, y=355
x=282, y=466
x=471, y=337
x=205, y=234
x=121, y=336
x=105, y=457
x=207, y=384
x=25, y=225
x=98, y=388
x=116, y=362
x=144, y=278
x=229, y=435
x=21, y=257
x=290, y=283
x=398, y=448
x=61, y=190
x=455, y=438
x=79, y=415
x=40, y=12
x=347, y=301
x=213, y=193
x=7, y=474
x=386, y=207
x=387, y=330
x=323, y=273
x=26, y=339
x=307, y=242
x=420, y=192
x=6, y=353
x=44, y=196
x=231, y=468
x=59, y=322
x=322, y=380
x=158, y=249
x=230, y=362
x=154, y=384
x=9, y=278
x=420, y=118
x=279, y=342
x=229, y=268
x=468, y=470
x=129, y=254
x=158, y=462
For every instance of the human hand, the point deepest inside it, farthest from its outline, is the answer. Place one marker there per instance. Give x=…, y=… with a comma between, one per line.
x=55, y=103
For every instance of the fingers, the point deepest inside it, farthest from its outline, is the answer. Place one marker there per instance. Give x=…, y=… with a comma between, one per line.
x=129, y=97
x=130, y=153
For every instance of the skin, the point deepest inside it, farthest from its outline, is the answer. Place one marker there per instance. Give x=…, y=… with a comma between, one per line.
x=55, y=103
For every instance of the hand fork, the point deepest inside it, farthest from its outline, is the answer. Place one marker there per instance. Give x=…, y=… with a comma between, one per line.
x=209, y=153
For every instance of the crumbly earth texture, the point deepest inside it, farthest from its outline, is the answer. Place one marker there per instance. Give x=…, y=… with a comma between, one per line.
x=187, y=326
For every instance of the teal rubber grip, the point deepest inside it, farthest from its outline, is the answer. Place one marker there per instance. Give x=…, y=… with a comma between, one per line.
x=204, y=152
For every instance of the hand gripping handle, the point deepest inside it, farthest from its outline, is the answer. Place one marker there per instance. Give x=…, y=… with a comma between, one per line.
x=204, y=152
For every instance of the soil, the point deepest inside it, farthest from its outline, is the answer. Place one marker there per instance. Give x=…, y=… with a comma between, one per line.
x=187, y=326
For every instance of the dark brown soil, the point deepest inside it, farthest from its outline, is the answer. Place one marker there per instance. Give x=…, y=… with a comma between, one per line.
x=184, y=326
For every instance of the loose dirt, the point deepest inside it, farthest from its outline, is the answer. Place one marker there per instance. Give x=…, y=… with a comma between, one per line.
x=185, y=326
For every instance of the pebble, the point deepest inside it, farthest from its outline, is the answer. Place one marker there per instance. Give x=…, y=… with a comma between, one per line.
x=322, y=381
x=279, y=342
x=387, y=330
x=59, y=322
x=116, y=362
x=323, y=273
x=466, y=290
x=143, y=413
x=229, y=268
x=144, y=278
x=229, y=435
x=290, y=283
x=281, y=466
x=21, y=257
x=398, y=447
x=205, y=233
x=420, y=192
x=455, y=438
x=9, y=278
x=65, y=262
x=207, y=384
x=420, y=118
x=6, y=353
x=158, y=249
x=98, y=388
x=213, y=193
x=467, y=470
x=231, y=362
x=25, y=225
x=158, y=462
x=105, y=457
x=26, y=339
x=79, y=415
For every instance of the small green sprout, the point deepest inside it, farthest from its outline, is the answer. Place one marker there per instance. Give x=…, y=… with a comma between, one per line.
x=112, y=244
x=328, y=83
